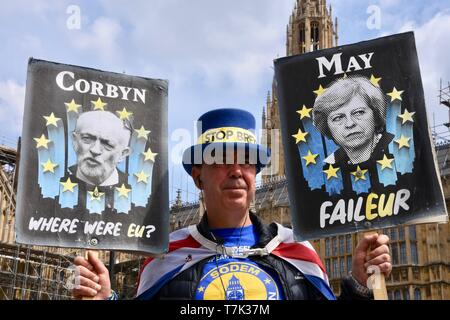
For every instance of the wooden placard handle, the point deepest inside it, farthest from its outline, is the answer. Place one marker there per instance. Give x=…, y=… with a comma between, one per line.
x=94, y=252
x=377, y=281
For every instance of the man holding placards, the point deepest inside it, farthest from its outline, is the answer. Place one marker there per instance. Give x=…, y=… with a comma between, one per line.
x=231, y=254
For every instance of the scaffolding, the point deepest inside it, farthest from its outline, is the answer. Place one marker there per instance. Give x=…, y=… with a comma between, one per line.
x=441, y=132
x=126, y=277
x=27, y=273
x=444, y=99
x=444, y=94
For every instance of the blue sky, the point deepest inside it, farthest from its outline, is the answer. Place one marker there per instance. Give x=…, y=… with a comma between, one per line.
x=214, y=53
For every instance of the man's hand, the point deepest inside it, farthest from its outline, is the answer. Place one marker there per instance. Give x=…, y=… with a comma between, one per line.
x=92, y=278
x=378, y=256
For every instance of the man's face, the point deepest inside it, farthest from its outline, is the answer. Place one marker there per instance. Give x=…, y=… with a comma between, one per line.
x=352, y=125
x=227, y=186
x=100, y=142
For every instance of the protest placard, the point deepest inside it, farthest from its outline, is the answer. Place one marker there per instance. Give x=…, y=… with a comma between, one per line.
x=93, y=168
x=358, y=150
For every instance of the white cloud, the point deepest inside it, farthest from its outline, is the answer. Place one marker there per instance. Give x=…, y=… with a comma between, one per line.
x=101, y=39
x=37, y=7
x=389, y=3
x=30, y=43
x=207, y=40
x=12, y=98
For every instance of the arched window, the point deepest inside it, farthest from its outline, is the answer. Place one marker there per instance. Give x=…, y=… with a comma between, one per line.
x=412, y=233
x=394, y=255
x=401, y=233
x=302, y=38
x=414, y=254
x=394, y=234
x=341, y=245
x=335, y=268
x=390, y=295
x=314, y=36
x=405, y=294
x=397, y=295
x=349, y=263
x=403, y=253
x=335, y=246
x=348, y=240
x=327, y=266
x=417, y=294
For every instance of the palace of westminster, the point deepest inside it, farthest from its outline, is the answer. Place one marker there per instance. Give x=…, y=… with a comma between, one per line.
x=420, y=253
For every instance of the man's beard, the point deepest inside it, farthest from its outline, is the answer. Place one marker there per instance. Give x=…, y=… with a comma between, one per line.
x=96, y=174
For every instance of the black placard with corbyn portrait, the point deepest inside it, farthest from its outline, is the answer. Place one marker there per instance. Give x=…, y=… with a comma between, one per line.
x=358, y=151
x=93, y=165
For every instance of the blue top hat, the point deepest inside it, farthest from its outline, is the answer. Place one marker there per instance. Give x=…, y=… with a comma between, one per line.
x=221, y=131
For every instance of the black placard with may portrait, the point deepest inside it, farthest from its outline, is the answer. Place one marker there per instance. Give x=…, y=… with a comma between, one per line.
x=358, y=150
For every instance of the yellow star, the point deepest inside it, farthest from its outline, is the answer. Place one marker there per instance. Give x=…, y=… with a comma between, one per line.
x=51, y=120
x=267, y=281
x=319, y=91
x=68, y=185
x=99, y=104
x=142, y=177
x=72, y=106
x=42, y=142
x=395, y=94
x=201, y=289
x=124, y=114
x=310, y=158
x=304, y=112
x=123, y=191
x=96, y=195
x=375, y=80
x=300, y=136
x=406, y=116
x=49, y=166
x=385, y=162
x=331, y=172
x=403, y=142
x=359, y=174
x=149, y=155
x=142, y=133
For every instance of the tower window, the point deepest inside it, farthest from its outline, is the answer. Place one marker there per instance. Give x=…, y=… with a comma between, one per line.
x=315, y=36
x=302, y=37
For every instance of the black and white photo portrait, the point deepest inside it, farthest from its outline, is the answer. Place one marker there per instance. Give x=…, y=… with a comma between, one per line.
x=100, y=140
x=352, y=112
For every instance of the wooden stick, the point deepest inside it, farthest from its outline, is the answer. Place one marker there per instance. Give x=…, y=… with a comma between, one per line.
x=378, y=285
x=94, y=252
x=377, y=281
